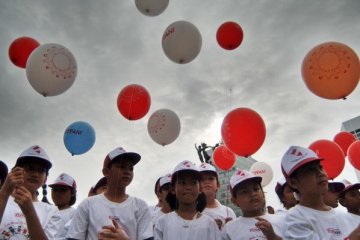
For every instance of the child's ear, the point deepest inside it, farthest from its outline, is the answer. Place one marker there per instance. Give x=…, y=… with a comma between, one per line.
x=172, y=189
x=233, y=200
x=342, y=202
x=105, y=171
x=292, y=183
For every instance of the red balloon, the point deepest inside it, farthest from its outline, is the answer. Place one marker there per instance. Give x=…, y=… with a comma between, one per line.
x=354, y=154
x=334, y=158
x=20, y=50
x=133, y=102
x=344, y=140
x=243, y=131
x=229, y=35
x=224, y=158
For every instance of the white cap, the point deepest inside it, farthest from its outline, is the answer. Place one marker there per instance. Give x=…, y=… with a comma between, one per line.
x=122, y=154
x=206, y=167
x=184, y=166
x=240, y=176
x=348, y=185
x=165, y=179
x=34, y=152
x=64, y=180
x=295, y=157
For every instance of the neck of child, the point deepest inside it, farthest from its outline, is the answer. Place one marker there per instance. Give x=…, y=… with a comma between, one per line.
x=255, y=213
x=116, y=194
x=63, y=207
x=210, y=201
x=187, y=211
x=316, y=203
x=165, y=208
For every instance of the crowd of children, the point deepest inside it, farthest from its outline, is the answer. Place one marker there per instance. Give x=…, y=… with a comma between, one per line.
x=187, y=207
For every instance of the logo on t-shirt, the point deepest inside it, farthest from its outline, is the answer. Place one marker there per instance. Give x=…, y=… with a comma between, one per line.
x=14, y=230
x=334, y=231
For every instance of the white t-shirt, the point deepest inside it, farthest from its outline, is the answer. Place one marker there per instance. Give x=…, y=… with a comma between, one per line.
x=94, y=212
x=13, y=224
x=157, y=214
x=171, y=226
x=354, y=217
x=66, y=215
x=244, y=227
x=220, y=212
x=281, y=211
x=307, y=223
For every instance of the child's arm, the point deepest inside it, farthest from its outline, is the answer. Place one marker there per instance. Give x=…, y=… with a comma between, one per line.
x=355, y=234
x=24, y=199
x=115, y=232
x=267, y=229
x=13, y=179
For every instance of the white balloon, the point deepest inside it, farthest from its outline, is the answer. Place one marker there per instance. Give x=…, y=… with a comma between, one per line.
x=51, y=69
x=164, y=126
x=263, y=170
x=151, y=7
x=181, y=42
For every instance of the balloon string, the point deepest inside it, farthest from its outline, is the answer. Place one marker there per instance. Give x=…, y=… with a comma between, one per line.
x=131, y=101
x=230, y=98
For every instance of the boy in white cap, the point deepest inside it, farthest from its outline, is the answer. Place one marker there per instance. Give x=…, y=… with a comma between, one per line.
x=209, y=183
x=285, y=195
x=255, y=223
x=164, y=188
x=350, y=199
x=63, y=194
x=312, y=218
x=113, y=214
x=22, y=215
x=186, y=222
x=331, y=196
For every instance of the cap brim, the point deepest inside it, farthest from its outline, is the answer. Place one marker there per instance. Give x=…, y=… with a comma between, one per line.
x=60, y=184
x=300, y=164
x=132, y=156
x=47, y=163
x=257, y=179
x=175, y=174
x=336, y=186
x=356, y=185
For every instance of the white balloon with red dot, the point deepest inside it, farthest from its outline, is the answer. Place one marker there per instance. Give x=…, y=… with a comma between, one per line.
x=181, y=42
x=51, y=69
x=151, y=7
x=164, y=126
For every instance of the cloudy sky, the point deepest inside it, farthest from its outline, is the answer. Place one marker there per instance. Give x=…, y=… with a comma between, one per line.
x=115, y=45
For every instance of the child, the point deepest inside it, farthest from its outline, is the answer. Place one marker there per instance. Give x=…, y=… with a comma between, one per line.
x=114, y=212
x=311, y=218
x=255, y=223
x=164, y=188
x=22, y=215
x=331, y=196
x=209, y=184
x=186, y=221
x=63, y=194
x=3, y=172
x=285, y=195
x=350, y=198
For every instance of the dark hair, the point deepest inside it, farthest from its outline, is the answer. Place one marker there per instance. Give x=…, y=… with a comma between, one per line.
x=162, y=187
x=44, y=192
x=157, y=183
x=174, y=204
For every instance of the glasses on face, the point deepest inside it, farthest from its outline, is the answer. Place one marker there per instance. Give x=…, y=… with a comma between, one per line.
x=31, y=168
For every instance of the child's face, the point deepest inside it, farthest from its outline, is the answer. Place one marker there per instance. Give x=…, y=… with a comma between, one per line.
x=310, y=179
x=121, y=173
x=61, y=196
x=164, y=192
x=187, y=188
x=351, y=199
x=34, y=175
x=250, y=198
x=331, y=198
x=208, y=183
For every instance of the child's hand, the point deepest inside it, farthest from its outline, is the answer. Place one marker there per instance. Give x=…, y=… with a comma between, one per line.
x=355, y=234
x=266, y=228
x=23, y=198
x=14, y=179
x=113, y=232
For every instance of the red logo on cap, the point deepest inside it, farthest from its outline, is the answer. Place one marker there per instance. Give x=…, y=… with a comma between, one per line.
x=296, y=152
x=187, y=164
x=61, y=176
x=240, y=173
x=37, y=149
